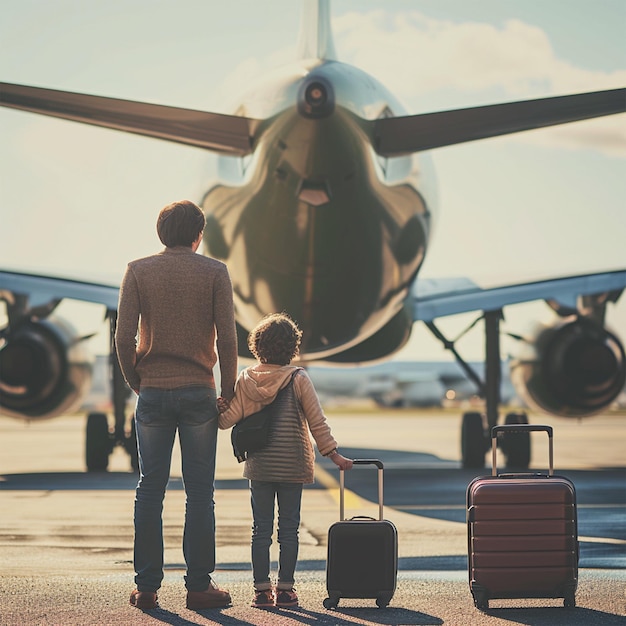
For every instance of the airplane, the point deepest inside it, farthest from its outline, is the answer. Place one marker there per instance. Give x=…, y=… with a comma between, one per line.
x=389, y=384
x=397, y=384
x=324, y=208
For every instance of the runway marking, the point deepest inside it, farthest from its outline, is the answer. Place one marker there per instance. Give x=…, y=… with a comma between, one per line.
x=351, y=499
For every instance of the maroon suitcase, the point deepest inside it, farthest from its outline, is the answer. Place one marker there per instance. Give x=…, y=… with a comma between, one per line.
x=522, y=532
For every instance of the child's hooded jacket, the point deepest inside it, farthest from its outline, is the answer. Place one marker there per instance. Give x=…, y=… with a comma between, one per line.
x=289, y=457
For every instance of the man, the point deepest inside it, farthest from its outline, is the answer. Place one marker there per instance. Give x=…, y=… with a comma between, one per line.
x=175, y=307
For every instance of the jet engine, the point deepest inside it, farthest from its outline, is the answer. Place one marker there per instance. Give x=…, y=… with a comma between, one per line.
x=574, y=368
x=45, y=369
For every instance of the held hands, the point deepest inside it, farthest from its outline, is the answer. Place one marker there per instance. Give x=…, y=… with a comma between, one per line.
x=222, y=404
x=341, y=461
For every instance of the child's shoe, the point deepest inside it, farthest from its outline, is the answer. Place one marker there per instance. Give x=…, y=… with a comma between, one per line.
x=144, y=600
x=264, y=599
x=286, y=598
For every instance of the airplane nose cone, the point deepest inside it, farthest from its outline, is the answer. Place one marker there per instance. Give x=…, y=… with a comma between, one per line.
x=316, y=98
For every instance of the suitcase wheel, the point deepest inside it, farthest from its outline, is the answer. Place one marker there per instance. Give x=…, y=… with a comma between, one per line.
x=481, y=600
x=569, y=602
x=383, y=601
x=330, y=603
x=480, y=595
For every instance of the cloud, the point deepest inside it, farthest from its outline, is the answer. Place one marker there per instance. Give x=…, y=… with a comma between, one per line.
x=517, y=58
x=433, y=64
x=607, y=135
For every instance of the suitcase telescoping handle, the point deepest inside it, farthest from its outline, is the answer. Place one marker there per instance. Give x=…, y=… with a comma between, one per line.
x=379, y=465
x=519, y=428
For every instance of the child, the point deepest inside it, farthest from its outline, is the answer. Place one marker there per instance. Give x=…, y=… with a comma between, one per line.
x=279, y=471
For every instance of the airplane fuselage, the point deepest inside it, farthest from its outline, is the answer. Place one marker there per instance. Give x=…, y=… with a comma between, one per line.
x=314, y=222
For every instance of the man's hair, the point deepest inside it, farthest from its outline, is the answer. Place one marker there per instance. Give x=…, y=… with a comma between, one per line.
x=180, y=223
x=275, y=339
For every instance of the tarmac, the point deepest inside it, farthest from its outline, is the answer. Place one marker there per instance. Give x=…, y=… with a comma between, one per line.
x=66, y=536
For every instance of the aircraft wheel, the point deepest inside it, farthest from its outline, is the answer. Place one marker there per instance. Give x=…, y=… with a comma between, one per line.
x=97, y=443
x=516, y=446
x=473, y=441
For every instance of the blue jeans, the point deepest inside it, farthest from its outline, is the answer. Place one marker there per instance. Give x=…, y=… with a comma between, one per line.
x=262, y=496
x=159, y=413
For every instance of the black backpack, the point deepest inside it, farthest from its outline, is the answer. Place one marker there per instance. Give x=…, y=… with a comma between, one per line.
x=252, y=432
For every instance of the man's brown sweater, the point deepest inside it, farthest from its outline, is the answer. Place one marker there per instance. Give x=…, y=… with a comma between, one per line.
x=178, y=302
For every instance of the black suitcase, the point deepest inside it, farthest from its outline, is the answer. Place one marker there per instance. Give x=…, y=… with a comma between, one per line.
x=362, y=552
x=522, y=533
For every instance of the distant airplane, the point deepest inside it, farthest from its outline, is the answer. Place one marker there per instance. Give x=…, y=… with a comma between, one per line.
x=405, y=383
x=324, y=209
x=389, y=384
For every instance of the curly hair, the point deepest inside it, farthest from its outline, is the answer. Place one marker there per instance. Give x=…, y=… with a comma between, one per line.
x=275, y=339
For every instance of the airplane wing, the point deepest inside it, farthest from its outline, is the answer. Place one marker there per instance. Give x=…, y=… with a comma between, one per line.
x=394, y=136
x=433, y=298
x=227, y=134
x=42, y=290
x=233, y=134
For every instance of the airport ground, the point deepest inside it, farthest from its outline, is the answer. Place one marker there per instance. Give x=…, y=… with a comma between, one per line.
x=66, y=536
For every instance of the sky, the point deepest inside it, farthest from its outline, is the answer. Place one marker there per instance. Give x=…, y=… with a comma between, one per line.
x=82, y=201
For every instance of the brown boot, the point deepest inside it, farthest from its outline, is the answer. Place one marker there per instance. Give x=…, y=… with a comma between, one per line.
x=144, y=599
x=212, y=598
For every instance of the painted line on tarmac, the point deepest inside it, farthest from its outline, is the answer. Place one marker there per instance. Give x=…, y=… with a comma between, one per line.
x=351, y=499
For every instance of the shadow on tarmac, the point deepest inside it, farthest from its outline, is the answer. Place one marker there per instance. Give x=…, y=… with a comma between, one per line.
x=556, y=616
x=167, y=617
x=389, y=616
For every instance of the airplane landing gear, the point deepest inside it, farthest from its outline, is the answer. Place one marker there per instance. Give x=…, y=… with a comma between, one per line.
x=476, y=427
x=475, y=442
x=100, y=440
x=100, y=443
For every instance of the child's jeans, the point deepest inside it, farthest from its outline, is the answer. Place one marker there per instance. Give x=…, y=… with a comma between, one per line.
x=263, y=495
